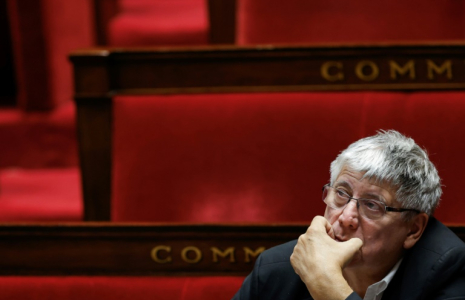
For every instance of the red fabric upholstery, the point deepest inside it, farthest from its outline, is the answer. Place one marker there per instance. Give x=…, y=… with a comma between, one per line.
x=435, y=121
x=119, y=288
x=38, y=139
x=264, y=157
x=40, y=195
x=303, y=21
x=161, y=22
x=39, y=178
x=226, y=158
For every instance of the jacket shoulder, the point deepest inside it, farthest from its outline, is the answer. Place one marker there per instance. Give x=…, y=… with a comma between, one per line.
x=278, y=254
x=434, y=266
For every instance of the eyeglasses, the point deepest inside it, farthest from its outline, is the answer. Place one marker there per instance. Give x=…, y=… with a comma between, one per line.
x=372, y=209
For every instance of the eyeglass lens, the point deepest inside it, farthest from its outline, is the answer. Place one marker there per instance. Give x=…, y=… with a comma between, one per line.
x=338, y=199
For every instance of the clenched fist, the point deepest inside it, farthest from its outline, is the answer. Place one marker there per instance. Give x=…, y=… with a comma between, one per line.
x=318, y=259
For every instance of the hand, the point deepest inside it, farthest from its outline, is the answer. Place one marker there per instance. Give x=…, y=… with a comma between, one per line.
x=318, y=259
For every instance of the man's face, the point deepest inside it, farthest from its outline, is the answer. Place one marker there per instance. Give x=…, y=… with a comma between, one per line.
x=383, y=239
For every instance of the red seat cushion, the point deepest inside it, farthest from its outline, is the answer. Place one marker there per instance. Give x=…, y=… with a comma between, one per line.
x=40, y=195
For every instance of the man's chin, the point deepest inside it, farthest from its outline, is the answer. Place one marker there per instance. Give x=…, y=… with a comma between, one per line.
x=355, y=261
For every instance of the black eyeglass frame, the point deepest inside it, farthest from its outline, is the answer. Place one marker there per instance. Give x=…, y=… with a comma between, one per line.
x=386, y=208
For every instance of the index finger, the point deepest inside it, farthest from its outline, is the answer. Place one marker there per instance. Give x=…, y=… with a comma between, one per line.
x=319, y=222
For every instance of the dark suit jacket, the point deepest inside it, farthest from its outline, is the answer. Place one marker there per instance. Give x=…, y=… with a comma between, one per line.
x=433, y=269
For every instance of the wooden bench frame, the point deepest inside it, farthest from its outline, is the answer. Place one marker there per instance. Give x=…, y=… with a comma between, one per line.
x=103, y=73
x=140, y=249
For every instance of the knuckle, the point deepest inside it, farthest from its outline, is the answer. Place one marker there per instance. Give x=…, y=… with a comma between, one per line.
x=310, y=230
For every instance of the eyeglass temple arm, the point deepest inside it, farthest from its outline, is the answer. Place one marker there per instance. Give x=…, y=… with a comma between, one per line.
x=401, y=209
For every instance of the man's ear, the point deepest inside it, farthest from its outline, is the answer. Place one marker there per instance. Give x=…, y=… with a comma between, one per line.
x=417, y=225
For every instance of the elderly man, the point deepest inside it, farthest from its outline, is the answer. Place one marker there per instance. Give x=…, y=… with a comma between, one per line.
x=377, y=239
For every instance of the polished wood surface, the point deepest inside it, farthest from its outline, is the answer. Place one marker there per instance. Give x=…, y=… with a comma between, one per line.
x=94, y=134
x=140, y=249
x=272, y=68
x=131, y=249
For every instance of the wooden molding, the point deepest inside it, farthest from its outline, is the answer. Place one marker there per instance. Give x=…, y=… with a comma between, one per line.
x=270, y=68
x=140, y=249
x=131, y=249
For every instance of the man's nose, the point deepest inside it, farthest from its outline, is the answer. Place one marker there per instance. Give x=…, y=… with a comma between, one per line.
x=349, y=215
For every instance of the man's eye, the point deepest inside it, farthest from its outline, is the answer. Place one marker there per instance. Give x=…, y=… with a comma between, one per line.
x=342, y=193
x=372, y=205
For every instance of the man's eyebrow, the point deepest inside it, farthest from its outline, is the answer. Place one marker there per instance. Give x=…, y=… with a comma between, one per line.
x=343, y=184
x=369, y=196
x=372, y=196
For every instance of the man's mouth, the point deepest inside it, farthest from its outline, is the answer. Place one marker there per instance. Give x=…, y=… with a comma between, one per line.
x=338, y=239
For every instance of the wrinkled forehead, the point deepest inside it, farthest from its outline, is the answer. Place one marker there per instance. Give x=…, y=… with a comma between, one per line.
x=366, y=175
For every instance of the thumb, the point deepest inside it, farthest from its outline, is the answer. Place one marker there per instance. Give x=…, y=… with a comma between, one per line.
x=353, y=245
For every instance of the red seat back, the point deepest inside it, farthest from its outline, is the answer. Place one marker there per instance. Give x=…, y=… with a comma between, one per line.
x=263, y=157
x=303, y=21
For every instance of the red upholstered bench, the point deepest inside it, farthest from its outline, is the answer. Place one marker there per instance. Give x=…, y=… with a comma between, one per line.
x=253, y=157
x=39, y=177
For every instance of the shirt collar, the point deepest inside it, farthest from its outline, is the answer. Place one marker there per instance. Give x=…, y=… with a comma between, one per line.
x=376, y=290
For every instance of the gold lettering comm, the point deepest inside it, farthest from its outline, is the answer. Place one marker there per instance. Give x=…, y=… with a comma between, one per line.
x=162, y=254
x=367, y=70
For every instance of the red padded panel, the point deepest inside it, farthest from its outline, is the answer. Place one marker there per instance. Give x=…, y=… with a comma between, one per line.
x=303, y=21
x=264, y=157
x=228, y=158
x=118, y=288
x=161, y=22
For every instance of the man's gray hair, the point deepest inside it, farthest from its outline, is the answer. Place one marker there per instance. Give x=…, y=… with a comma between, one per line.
x=395, y=159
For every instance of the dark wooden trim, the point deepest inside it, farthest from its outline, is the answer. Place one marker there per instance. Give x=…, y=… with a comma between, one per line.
x=222, y=17
x=94, y=122
x=249, y=69
x=127, y=249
